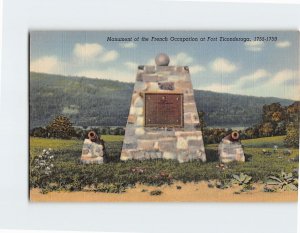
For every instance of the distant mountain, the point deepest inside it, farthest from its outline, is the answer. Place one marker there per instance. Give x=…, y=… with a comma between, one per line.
x=95, y=102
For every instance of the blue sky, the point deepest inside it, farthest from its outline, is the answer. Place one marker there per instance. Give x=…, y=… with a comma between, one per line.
x=248, y=68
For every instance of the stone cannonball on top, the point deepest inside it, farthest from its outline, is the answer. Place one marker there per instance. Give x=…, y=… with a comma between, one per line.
x=162, y=59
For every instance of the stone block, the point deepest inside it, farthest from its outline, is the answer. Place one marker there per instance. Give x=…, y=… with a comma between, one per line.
x=167, y=145
x=150, y=77
x=149, y=69
x=126, y=155
x=139, y=77
x=195, y=144
x=169, y=155
x=166, y=86
x=188, y=133
x=152, y=86
x=189, y=98
x=156, y=147
x=161, y=78
x=145, y=144
x=182, y=143
x=139, y=155
x=183, y=157
x=139, y=111
x=139, y=131
x=165, y=68
x=140, y=86
x=131, y=119
x=130, y=145
x=129, y=139
x=189, y=107
x=138, y=102
x=139, y=121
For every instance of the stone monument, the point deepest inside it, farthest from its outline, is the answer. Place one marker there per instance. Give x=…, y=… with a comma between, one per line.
x=93, y=150
x=163, y=120
x=230, y=149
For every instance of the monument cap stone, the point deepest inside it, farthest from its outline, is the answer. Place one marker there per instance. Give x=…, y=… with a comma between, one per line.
x=162, y=59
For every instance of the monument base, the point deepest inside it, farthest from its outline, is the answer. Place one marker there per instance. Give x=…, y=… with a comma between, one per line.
x=182, y=146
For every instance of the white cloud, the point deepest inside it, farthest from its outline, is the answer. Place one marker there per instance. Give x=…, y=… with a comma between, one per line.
x=222, y=65
x=87, y=51
x=283, y=44
x=131, y=65
x=254, y=46
x=218, y=87
x=258, y=74
x=46, y=64
x=275, y=85
x=128, y=45
x=109, y=56
x=181, y=59
x=110, y=74
x=195, y=69
x=283, y=76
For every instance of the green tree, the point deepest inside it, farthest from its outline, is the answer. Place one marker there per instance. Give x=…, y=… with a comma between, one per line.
x=266, y=129
x=61, y=127
x=292, y=129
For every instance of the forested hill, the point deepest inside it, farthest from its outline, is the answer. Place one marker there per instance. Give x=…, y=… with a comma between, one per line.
x=95, y=102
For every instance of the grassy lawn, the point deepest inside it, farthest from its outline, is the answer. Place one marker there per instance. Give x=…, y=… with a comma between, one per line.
x=69, y=174
x=267, y=142
x=38, y=144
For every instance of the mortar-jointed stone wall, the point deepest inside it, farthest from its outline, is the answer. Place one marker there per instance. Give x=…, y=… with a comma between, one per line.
x=178, y=143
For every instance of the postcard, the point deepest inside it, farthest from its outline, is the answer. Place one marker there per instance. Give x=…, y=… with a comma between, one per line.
x=164, y=116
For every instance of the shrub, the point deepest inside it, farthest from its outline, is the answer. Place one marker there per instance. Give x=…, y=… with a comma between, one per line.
x=292, y=136
x=283, y=181
x=41, y=169
x=61, y=127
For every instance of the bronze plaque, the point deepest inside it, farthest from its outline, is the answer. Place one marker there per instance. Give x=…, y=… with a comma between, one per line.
x=163, y=110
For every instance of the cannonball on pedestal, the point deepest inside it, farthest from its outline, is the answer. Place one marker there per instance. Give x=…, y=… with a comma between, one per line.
x=162, y=59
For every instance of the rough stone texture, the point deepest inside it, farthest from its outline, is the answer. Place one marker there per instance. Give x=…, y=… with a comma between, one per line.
x=182, y=144
x=230, y=151
x=92, y=152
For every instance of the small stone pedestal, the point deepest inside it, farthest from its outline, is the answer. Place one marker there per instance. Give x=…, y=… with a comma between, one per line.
x=230, y=149
x=92, y=152
x=163, y=120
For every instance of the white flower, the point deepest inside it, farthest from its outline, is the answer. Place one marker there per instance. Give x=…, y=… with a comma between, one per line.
x=44, y=150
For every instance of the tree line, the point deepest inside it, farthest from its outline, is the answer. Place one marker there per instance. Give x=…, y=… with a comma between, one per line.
x=276, y=120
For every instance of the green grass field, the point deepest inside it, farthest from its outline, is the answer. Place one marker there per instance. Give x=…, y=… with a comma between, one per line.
x=69, y=174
